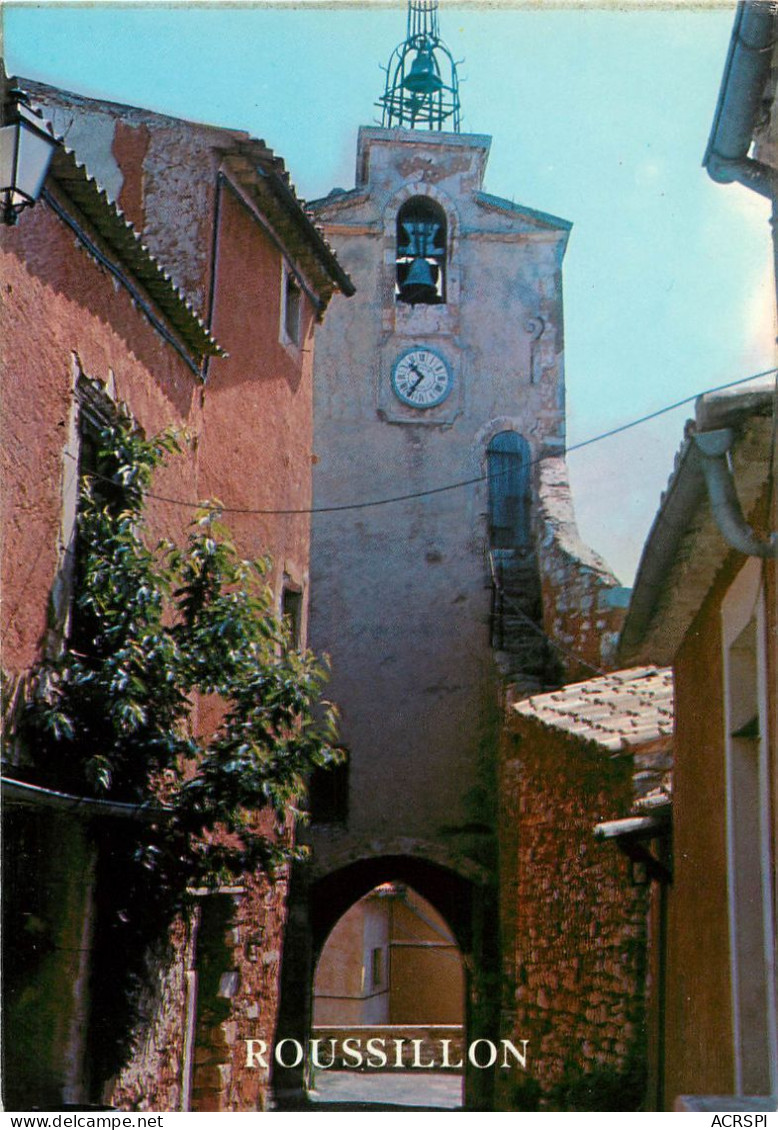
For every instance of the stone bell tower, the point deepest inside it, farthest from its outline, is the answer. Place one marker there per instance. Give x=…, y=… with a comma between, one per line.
x=439, y=392
x=437, y=387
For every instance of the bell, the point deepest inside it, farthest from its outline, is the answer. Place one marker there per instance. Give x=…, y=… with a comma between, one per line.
x=419, y=284
x=422, y=77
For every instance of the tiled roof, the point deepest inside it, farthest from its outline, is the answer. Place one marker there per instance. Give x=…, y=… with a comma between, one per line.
x=264, y=166
x=126, y=244
x=259, y=170
x=618, y=711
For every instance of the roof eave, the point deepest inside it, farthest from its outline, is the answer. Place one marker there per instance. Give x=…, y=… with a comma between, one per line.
x=662, y=606
x=70, y=180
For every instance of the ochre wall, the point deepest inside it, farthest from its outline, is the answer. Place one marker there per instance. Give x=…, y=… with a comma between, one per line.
x=256, y=441
x=338, y=984
x=424, y=976
x=59, y=306
x=250, y=431
x=698, y=1019
x=698, y=1023
x=428, y=983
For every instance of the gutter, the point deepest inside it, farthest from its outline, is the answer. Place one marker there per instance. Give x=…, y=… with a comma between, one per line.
x=20, y=792
x=746, y=73
x=703, y=470
x=714, y=446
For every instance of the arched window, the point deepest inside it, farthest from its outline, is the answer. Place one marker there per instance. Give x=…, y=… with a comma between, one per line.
x=421, y=252
x=507, y=463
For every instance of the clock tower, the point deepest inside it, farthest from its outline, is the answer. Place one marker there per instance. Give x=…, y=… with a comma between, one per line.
x=438, y=386
x=438, y=395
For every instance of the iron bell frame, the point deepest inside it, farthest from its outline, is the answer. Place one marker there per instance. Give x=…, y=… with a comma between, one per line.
x=422, y=86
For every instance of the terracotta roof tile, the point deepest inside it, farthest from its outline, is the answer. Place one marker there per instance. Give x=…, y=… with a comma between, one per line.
x=125, y=243
x=618, y=711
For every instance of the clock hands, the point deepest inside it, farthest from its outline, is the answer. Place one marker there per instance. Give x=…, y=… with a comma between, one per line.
x=421, y=376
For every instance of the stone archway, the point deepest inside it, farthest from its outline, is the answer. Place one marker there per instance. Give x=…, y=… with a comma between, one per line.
x=389, y=1005
x=316, y=906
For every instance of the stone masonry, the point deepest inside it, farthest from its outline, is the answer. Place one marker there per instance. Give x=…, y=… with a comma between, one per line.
x=573, y=923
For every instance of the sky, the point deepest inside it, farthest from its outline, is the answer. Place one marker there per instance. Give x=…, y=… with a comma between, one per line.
x=599, y=115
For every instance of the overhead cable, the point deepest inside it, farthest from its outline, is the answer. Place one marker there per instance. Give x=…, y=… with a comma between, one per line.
x=223, y=509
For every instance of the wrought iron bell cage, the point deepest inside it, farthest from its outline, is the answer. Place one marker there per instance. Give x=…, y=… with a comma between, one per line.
x=422, y=87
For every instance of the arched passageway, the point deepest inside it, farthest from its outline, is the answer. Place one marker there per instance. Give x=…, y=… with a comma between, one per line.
x=389, y=1004
x=394, y=942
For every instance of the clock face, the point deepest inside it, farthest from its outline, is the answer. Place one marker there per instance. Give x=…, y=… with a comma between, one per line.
x=421, y=378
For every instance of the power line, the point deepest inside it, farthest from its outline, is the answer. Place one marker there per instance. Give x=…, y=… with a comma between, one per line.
x=450, y=486
x=670, y=408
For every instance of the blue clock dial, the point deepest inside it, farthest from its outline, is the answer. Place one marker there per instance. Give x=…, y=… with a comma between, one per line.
x=421, y=378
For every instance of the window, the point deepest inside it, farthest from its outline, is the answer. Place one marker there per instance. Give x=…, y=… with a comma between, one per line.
x=292, y=613
x=507, y=464
x=421, y=252
x=95, y=413
x=752, y=940
x=328, y=794
x=291, y=309
x=377, y=968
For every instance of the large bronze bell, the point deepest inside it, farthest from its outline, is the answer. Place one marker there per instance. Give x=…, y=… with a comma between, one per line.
x=419, y=285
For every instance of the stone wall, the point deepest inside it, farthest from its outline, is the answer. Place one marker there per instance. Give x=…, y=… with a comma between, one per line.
x=213, y=987
x=573, y=926
x=583, y=604
x=153, y=1079
x=241, y=953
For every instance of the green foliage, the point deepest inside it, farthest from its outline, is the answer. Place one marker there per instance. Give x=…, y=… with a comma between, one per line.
x=153, y=628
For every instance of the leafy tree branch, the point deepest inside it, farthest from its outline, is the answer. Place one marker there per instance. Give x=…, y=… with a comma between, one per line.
x=152, y=629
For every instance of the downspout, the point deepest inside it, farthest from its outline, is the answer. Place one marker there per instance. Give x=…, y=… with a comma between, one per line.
x=746, y=73
x=714, y=447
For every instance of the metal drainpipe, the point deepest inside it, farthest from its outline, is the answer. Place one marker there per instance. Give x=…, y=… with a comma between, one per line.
x=745, y=76
x=713, y=447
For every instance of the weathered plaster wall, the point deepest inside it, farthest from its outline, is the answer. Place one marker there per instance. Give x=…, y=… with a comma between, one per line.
x=401, y=591
x=60, y=314
x=572, y=924
x=250, y=429
x=159, y=170
x=254, y=439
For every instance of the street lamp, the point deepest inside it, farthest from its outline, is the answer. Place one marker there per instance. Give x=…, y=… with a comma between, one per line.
x=26, y=149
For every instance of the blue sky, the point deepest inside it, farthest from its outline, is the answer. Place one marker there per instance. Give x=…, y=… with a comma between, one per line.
x=597, y=115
